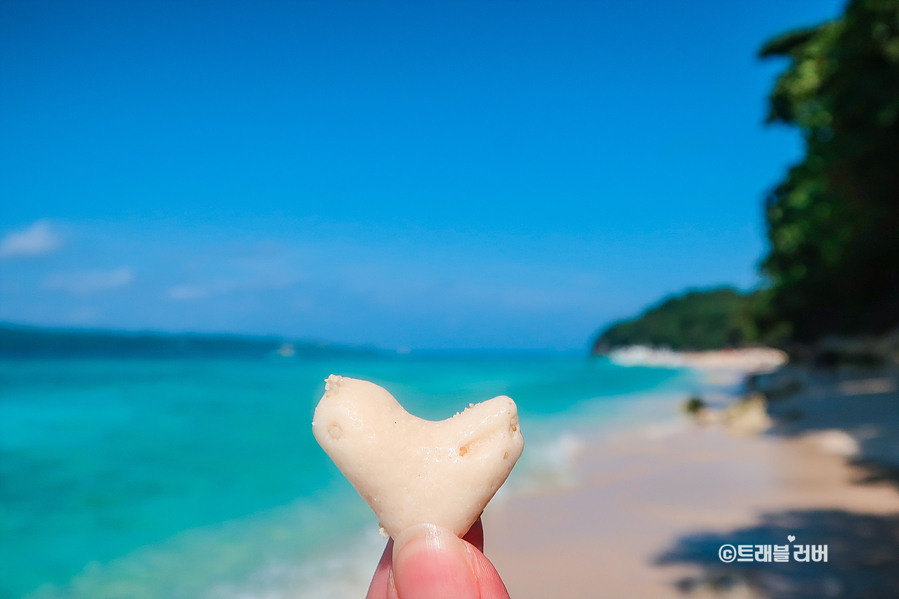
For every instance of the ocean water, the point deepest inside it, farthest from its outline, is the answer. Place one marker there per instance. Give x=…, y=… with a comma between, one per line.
x=200, y=478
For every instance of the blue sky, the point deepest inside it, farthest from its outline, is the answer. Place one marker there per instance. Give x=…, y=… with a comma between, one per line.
x=408, y=174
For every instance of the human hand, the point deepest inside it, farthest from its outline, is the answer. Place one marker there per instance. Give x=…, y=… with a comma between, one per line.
x=430, y=562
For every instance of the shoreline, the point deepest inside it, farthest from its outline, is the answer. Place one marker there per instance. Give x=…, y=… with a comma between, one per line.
x=630, y=527
x=731, y=365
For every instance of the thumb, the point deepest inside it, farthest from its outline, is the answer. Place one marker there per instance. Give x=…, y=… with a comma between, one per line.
x=430, y=562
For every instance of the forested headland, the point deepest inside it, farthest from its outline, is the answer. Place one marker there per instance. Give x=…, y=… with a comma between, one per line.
x=831, y=268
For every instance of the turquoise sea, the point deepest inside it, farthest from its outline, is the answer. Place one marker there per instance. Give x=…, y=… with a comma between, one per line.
x=189, y=478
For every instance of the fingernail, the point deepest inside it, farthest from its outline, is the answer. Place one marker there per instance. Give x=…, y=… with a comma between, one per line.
x=430, y=562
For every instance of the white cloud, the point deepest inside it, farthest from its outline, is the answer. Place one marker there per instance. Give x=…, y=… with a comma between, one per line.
x=90, y=281
x=36, y=240
x=187, y=292
x=251, y=278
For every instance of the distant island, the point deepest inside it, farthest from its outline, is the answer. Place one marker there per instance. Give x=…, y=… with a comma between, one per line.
x=18, y=341
x=698, y=319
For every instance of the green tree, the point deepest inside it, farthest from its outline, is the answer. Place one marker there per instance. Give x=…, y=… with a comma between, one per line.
x=698, y=319
x=833, y=223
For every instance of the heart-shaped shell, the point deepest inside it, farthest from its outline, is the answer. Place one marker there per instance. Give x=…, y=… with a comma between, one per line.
x=414, y=471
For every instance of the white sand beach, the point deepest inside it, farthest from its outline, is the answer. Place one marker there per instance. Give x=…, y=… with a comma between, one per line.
x=654, y=506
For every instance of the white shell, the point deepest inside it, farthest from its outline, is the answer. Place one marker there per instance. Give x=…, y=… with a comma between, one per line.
x=414, y=471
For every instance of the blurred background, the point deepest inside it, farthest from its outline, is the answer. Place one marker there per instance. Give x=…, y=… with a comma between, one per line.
x=206, y=208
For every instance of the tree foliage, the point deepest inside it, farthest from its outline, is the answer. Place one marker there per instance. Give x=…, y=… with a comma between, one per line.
x=833, y=222
x=696, y=320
